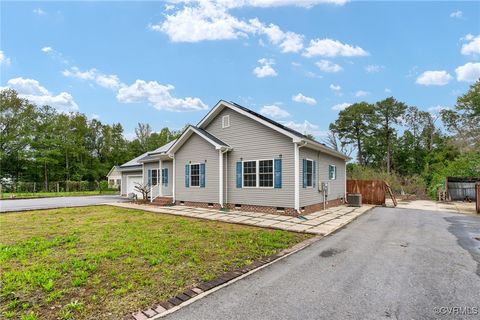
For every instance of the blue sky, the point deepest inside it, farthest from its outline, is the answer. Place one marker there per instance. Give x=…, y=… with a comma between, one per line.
x=167, y=63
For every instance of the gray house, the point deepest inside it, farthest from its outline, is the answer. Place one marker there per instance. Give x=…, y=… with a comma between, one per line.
x=236, y=158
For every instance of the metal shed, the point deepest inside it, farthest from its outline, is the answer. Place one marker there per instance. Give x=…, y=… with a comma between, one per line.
x=459, y=188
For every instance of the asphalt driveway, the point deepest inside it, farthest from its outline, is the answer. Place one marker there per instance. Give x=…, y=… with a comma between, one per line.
x=388, y=264
x=57, y=202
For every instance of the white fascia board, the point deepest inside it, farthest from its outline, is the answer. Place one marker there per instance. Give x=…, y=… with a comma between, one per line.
x=223, y=103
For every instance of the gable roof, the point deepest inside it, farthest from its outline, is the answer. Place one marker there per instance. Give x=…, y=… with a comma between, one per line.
x=295, y=135
x=217, y=143
x=111, y=170
x=134, y=162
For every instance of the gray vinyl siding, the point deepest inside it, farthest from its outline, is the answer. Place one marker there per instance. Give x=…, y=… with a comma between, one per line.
x=167, y=191
x=197, y=150
x=311, y=195
x=123, y=187
x=252, y=140
x=146, y=167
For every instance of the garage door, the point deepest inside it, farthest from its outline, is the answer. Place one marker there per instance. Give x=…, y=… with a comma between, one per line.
x=132, y=182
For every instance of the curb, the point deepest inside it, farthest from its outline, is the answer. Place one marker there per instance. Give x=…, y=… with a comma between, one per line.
x=204, y=289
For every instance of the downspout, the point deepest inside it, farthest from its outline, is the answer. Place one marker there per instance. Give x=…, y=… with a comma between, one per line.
x=221, y=152
x=174, y=176
x=297, y=147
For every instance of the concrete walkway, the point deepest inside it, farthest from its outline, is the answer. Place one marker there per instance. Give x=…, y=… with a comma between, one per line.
x=320, y=222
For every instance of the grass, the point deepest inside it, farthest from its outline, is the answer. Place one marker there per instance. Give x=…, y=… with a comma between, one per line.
x=104, y=262
x=22, y=195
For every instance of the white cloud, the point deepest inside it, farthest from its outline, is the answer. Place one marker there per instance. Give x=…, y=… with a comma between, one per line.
x=31, y=90
x=159, y=96
x=4, y=60
x=332, y=48
x=328, y=66
x=265, y=69
x=107, y=81
x=388, y=90
x=206, y=21
x=95, y=116
x=300, y=98
x=110, y=81
x=39, y=12
x=361, y=93
x=278, y=3
x=47, y=49
x=336, y=88
x=305, y=127
x=473, y=46
x=341, y=106
x=434, y=78
x=469, y=72
x=456, y=14
x=373, y=68
x=212, y=21
x=274, y=111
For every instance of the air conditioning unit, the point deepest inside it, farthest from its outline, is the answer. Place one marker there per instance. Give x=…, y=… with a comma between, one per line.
x=354, y=199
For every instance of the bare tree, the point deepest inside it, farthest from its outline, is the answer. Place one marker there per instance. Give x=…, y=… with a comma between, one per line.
x=144, y=189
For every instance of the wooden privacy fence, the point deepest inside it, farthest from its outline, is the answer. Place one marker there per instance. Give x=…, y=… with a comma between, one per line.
x=373, y=191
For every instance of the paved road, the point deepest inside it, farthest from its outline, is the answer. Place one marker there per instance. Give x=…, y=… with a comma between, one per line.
x=389, y=264
x=57, y=202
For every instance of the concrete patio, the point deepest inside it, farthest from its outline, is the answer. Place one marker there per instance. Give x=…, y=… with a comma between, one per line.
x=320, y=223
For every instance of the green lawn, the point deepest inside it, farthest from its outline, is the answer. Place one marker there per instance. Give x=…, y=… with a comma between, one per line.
x=21, y=195
x=104, y=262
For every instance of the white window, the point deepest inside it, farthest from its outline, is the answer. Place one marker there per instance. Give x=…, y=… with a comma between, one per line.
x=265, y=168
x=332, y=172
x=309, y=172
x=226, y=121
x=258, y=173
x=250, y=173
x=195, y=175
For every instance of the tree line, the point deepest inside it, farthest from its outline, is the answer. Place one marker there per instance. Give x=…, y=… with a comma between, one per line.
x=391, y=138
x=39, y=144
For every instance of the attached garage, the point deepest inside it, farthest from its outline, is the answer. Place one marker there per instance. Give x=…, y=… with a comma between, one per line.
x=132, y=181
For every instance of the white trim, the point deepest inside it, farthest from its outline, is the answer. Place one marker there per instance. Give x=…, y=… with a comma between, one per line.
x=307, y=186
x=190, y=175
x=187, y=133
x=257, y=174
x=160, y=170
x=335, y=172
x=296, y=160
x=173, y=180
x=220, y=180
x=226, y=121
x=221, y=103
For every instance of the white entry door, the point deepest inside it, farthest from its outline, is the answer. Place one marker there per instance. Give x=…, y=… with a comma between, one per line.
x=131, y=183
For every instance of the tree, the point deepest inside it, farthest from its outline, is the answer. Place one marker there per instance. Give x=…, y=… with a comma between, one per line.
x=464, y=120
x=143, y=132
x=354, y=125
x=388, y=113
x=17, y=118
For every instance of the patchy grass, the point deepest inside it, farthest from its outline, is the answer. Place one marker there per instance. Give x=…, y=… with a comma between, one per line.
x=24, y=195
x=103, y=262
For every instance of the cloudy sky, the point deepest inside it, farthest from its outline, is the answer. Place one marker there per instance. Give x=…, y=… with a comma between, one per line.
x=299, y=62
